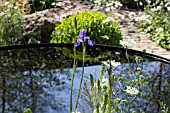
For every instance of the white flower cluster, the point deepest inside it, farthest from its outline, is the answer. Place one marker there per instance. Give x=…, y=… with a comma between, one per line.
x=148, y=1
x=112, y=5
x=127, y=43
x=117, y=4
x=63, y=5
x=108, y=19
x=2, y=14
x=131, y=15
x=108, y=6
x=167, y=5
x=131, y=90
x=140, y=3
x=148, y=29
x=158, y=8
x=57, y=4
x=159, y=30
x=119, y=15
x=168, y=8
x=98, y=2
x=103, y=83
x=148, y=35
x=6, y=3
x=112, y=62
x=143, y=18
x=163, y=4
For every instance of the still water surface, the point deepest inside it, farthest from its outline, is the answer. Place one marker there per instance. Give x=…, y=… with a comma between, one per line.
x=40, y=78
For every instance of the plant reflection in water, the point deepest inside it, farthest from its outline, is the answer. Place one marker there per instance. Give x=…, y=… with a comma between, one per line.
x=40, y=78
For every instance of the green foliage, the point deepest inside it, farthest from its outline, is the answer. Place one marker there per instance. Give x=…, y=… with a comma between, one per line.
x=106, y=91
x=11, y=24
x=129, y=3
x=98, y=28
x=92, y=89
x=39, y=5
x=23, y=5
x=159, y=26
x=101, y=94
x=164, y=108
x=28, y=110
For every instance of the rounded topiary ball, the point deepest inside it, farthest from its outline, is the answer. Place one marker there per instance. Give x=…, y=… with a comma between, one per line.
x=100, y=28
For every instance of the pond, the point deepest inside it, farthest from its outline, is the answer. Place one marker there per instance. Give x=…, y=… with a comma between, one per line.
x=39, y=77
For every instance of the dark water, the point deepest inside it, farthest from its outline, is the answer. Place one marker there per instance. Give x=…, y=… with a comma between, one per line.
x=39, y=77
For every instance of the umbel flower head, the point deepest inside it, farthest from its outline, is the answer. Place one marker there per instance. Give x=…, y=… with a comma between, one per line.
x=83, y=38
x=131, y=90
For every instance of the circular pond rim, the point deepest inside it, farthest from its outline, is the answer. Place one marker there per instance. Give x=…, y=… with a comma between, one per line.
x=108, y=47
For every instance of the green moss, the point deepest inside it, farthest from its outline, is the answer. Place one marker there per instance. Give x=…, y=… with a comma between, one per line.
x=96, y=29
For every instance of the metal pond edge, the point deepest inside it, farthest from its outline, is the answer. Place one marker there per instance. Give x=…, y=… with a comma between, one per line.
x=135, y=52
x=108, y=47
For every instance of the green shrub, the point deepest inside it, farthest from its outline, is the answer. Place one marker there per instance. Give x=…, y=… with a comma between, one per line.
x=11, y=25
x=100, y=28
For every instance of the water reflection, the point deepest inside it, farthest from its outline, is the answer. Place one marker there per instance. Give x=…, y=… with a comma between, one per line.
x=40, y=79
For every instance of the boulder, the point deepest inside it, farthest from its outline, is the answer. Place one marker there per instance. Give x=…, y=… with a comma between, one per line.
x=41, y=24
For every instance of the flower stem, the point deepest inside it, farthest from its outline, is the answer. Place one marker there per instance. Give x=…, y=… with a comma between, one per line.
x=127, y=55
x=72, y=80
x=74, y=69
x=130, y=103
x=110, y=88
x=81, y=81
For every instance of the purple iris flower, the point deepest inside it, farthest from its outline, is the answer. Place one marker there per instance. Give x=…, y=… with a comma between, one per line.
x=83, y=38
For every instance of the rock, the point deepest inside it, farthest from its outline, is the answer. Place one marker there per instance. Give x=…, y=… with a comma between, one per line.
x=41, y=24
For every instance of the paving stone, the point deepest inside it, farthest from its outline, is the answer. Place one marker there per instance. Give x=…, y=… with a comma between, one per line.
x=143, y=42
